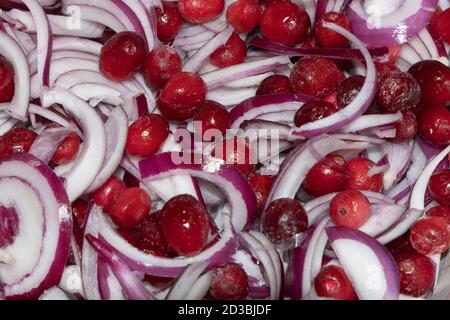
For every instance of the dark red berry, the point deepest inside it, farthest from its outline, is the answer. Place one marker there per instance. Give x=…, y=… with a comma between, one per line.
x=212, y=115
x=275, y=84
x=434, y=125
x=237, y=152
x=440, y=211
x=67, y=149
x=16, y=140
x=243, y=15
x=384, y=67
x=327, y=38
x=230, y=282
x=430, y=235
x=406, y=128
x=131, y=235
x=359, y=178
x=350, y=208
x=79, y=211
x=439, y=187
x=151, y=239
x=146, y=135
x=443, y=26
x=6, y=80
x=261, y=185
x=332, y=282
x=348, y=90
x=233, y=52
x=313, y=111
x=130, y=207
x=108, y=192
x=160, y=65
x=400, y=244
x=168, y=21
x=200, y=11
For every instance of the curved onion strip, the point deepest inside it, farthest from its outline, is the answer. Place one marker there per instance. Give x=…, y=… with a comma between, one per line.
x=45, y=145
x=200, y=287
x=143, y=15
x=109, y=286
x=181, y=288
x=370, y=121
x=54, y=293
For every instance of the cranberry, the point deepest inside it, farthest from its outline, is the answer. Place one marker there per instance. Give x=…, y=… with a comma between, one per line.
x=130, y=207
x=439, y=187
x=122, y=56
x=158, y=282
x=349, y=208
x=384, y=67
x=79, y=211
x=146, y=135
x=358, y=176
x=108, y=192
x=213, y=115
x=313, y=111
x=434, y=125
x=185, y=224
x=406, y=128
x=230, y=282
x=315, y=76
x=16, y=140
x=6, y=80
x=443, y=25
x=328, y=38
x=160, y=65
x=332, y=282
x=400, y=244
x=233, y=52
x=200, y=11
x=435, y=18
x=238, y=152
x=440, y=211
x=283, y=219
x=182, y=96
x=327, y=176
x=434, y=80
x=430, y=235
x=348, y=90
x=151, y=238
x=243, y=15
x=264, y=3
x=131, y=235
x=275, y=84
x=67, y=149
x=416, y=273
x=168, y=21
x=285, y=23
x=261, y=185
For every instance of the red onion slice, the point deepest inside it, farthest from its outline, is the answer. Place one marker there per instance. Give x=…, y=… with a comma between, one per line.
x=370, y=121
x=184, y=284
x=200, y=287
x=94, y=14
x=145, y=19
x=109, y=286
x=54, y=293
x=399, y=157
x=382, y=217
x=52, y=116
x=45, y=145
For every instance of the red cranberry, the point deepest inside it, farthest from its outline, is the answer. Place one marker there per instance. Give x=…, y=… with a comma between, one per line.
x=332, y=282
x=384, y=67
x=443, y=25
x=440, y=211
x=79, y=211
x=327, y=176
x=265, y=3
x=67, y=150
x=146, y=135
x=261, y=185
x=350, y=208
x=160, y=65
x=108, y=192
x=131, y=235
x=243, y=15
x=185, y=224
x=283, y=219
x=238, y=152
x=406, y=128
x=16, y=140
x=430, y=235
x=416, y=273
x=439, y=187
x=213, y=115
x=358, y=176
x=6, y=80
x=315, y=76
x=233, y=52
x=130, y=208
x=400, y=244
x=285, y=23
x=122, y=56
x=313, y=111
x=328, y=38
x=434, y=125
x=200, y=11
x=275, y=84
x=348, y=90
x=182, y=96
x=152, y=237
x=230, y=282
x=168, y=21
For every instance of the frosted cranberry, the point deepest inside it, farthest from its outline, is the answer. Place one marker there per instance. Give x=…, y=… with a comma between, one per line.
x=200, y=11
x=327, y=176
x=67, y=149
x=332, y=282
x=358, y=176
x=261, y=186
x=108, y=192
x=243, y=15
x=160, y=65
x=233, y=52
x=315, y=76
x=230, y=282
x=313, y=111
x=16, y=140
x=275, y=84
x=130, y=207
x=400, y=244
x=434, y=80
x=185, y=225
x=348, y=90
x=328, y=38
x=131, y=235
x=416, y=273
x=285, y=23
x=443, y=26
x=122, y=56
x=283, y=219
x=168, y=21
x=434, y=125
x=79, y=211
x=430, y=235
x=406, y=128
x=151, y=238
x=182, y=96
x=440, y=211
x=350, y=208
x=6, y=80
x=146, y=135
x=384, y=67
x=439, y=187
x=237, y=152
x=213, y=115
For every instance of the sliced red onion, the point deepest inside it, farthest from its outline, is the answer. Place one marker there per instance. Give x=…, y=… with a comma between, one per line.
x=71, y=281
x=258, y=288
x=52, y=116
x=185, y=282
x=399, y=158
x=61, y=54
x=78, y=77
x=370, y=121
x=8, y=125
x=200, y=287
x=382, y=217
x=95, y=93
x=109, y=286
x=77, y=44
x=23, y=39
x=434, y=44
x=369, y=265
x=181, y=41
x=145, y=19
x=249, y=81
x=45, y=145
x=54, y=293
x=356, y=137
x=230, y=97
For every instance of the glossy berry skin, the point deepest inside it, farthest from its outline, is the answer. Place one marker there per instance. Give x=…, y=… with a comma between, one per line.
x=349, y=208
x=243, y=15
x=313, y=111
x=283, y=219
x=327, y=38
x=430, y=235
x=200, y=11
x=439, y=211
x=233, y=52
x=397, y=91
x=315, y=76
x=400, y=244
x=406, y=128
x=182, y=96
x=185, y=225
x=348, y=90
x=230, y=282
x=443, y=26
x=237, y=152
x=146, y=135
x=275, y=84
x=108, y=192
x=160, y=65
x=212, y=115
x=67, y=150
x=439, y=187
x=130, y=208
x=261, y=186
x=417, y=273
x=358, y=176
x=434, y=125
x=332, y=282
x=6, y=80
x=79, y=211
x=16, y=140
x=327, y=176
x=168, y=21
x=151, y=237
x=285, y=23
x=122, y=56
